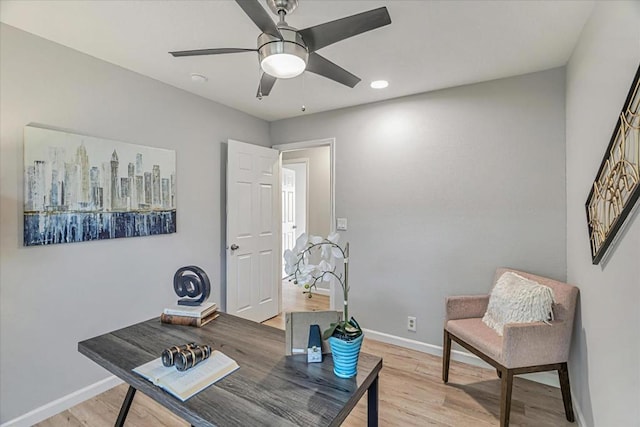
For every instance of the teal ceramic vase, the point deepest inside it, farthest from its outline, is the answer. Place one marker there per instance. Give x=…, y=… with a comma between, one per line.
x=345, y=356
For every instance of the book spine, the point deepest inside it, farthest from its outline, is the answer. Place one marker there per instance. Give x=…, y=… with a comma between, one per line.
x=180, y=320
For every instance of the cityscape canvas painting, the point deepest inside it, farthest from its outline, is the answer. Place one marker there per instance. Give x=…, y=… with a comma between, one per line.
x=79, y=188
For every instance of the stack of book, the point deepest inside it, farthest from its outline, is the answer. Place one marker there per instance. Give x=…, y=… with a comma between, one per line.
x=190, y=315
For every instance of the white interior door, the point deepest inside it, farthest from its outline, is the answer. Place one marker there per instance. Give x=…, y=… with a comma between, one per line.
x=253, y=235
x=288, y=209
x=300, y=168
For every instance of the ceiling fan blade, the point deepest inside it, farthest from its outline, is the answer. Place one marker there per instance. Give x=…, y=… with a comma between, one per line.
x=322, y=66
x=260, y=17
x=322, y=35
x=266, y=83
x=210, y=51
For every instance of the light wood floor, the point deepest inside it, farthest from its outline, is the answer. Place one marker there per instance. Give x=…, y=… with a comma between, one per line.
x=411, y=392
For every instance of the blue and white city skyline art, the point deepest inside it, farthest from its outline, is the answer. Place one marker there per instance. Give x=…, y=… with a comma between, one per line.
x=79, y=188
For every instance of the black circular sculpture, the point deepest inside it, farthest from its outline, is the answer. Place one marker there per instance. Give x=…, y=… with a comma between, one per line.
x=193, y=282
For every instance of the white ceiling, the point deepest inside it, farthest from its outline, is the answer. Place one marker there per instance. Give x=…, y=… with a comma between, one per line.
x=429, y=45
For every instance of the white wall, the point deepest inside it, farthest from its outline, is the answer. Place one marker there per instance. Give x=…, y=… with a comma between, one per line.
x=605, y=358
x=441, y=188
x=52, y=297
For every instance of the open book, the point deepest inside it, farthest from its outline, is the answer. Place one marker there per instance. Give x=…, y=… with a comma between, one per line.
x=185, y=384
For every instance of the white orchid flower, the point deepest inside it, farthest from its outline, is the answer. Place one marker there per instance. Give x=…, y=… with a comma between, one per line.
x=290, y=257
x=334, y=238
x=308, y=269
x=301, y=242
x=304, y=279
x=290, y=260
x=305, y=275
x=336, y=252
x=289, y=269
x=323, y=267
x=315, y=240
x=325, y=251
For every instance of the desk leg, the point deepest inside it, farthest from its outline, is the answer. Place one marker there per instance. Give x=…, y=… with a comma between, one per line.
x=124, y=410
x=372, y=404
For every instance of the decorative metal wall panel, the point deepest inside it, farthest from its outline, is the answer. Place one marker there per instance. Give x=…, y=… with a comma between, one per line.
x=79, y=188
x=616, y=188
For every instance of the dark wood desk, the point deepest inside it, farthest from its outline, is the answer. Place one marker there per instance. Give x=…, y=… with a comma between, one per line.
x=269, y=389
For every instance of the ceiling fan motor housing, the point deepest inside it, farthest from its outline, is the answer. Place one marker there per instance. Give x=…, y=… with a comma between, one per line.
x=291, y=44
x=287, y=6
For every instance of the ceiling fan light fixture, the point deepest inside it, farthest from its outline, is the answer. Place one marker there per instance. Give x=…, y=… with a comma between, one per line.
x=283, y=59
x=283, y=65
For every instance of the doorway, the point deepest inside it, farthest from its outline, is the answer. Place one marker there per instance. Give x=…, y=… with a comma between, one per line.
x=307, y=200
x=295, y=203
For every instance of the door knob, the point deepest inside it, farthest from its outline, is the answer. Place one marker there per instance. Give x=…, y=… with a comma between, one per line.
x=294, y=226
x=234, y=247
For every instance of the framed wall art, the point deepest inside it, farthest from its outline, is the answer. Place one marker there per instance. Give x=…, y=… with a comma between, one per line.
x=615, y=191
x=79, y=188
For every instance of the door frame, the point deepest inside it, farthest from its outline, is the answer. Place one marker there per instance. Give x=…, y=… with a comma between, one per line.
x=302, y=145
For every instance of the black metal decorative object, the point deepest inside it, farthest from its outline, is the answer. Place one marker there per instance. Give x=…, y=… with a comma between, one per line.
x=616, y=188
x=189, y=358
x=193, y=282
x=186, y=356
x=169, y=355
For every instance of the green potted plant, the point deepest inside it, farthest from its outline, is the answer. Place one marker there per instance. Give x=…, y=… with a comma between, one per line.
x=314, y=260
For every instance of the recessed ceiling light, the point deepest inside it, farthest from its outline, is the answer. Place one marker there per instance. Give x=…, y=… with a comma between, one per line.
x=379, y=84
x=198, y=78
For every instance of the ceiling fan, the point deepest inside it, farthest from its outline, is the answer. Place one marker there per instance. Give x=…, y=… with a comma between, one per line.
x=285, y=52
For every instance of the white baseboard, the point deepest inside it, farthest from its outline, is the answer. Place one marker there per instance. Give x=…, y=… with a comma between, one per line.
x=577, y=411
x=547, y=378
x=62, y=404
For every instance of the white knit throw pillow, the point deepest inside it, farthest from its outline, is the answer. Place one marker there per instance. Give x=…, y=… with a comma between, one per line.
x=515, y=299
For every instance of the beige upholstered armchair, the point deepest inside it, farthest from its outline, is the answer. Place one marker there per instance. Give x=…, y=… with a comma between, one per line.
x=523, y=348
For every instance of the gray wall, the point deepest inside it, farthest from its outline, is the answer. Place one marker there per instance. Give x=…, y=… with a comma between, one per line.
x=53, y=297
x=605, y=359
x=441, y=188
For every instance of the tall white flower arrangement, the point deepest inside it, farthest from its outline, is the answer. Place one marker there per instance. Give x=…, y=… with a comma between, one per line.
x=302, y=271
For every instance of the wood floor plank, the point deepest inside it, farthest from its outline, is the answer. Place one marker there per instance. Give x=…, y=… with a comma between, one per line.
x=63, y=419
x=411, y=392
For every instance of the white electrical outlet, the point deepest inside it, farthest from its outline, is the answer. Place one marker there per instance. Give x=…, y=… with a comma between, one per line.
x=411, y=323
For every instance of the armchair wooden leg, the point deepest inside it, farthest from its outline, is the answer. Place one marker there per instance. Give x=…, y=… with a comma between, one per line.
x=563, y=374
x=505, y=399
x=446, y=357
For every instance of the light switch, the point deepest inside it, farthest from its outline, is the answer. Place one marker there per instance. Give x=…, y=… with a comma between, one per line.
x=341, y=224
